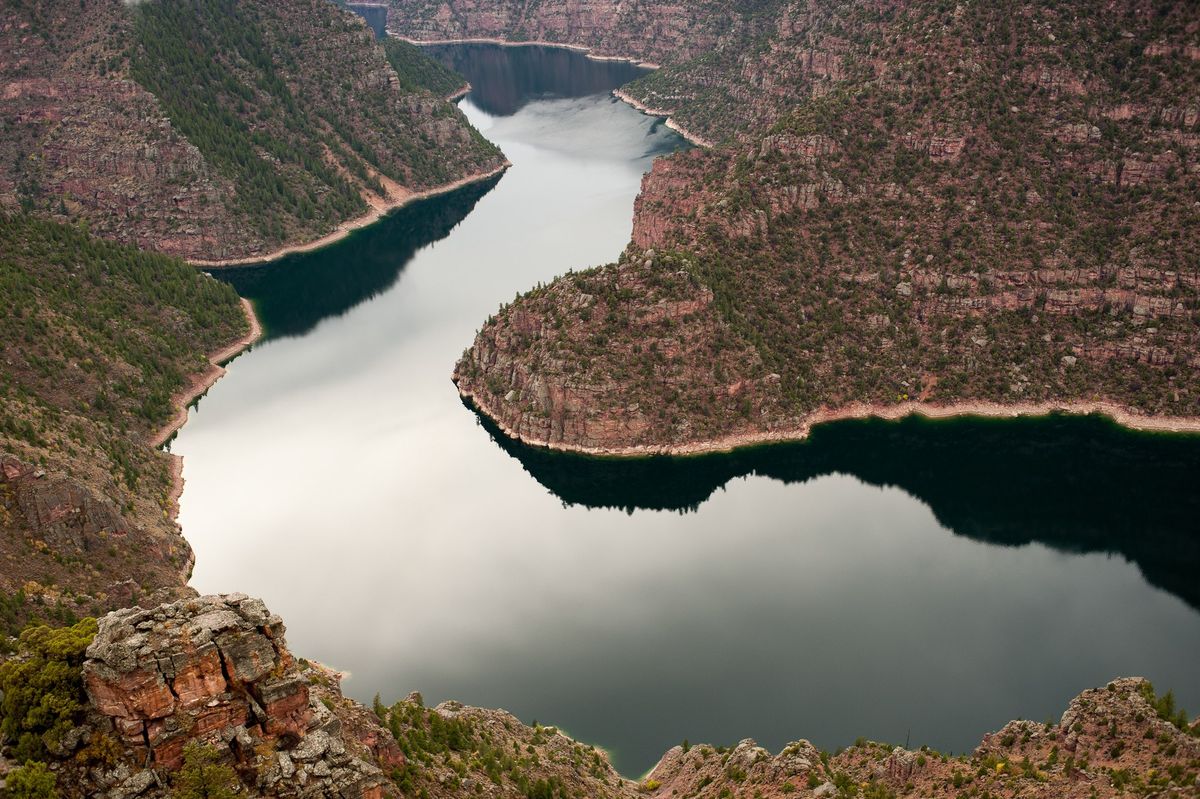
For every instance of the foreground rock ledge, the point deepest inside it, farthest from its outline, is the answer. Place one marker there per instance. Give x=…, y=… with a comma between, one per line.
x=216, y=670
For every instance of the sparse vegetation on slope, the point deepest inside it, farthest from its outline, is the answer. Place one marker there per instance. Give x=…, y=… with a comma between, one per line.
x=213, y=129
x=418, y=72
x=914, y=202
x=97, y=338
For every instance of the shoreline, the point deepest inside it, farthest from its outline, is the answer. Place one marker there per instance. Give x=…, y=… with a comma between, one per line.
x=579, y=48
x=1121, y=415
x=695, y=138
x=184, y=398
x=205, y=380
x=397, y=197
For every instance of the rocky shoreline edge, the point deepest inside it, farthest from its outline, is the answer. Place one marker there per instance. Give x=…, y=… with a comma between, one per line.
x=397, y=197
x=215, y=673
x=694, y=138
x=205, y=380
x=989, y=410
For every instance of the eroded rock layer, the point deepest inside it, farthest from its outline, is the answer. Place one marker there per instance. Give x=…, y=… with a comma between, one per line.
x=216, y=671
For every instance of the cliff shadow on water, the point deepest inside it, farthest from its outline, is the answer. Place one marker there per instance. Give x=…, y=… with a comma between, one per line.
x=505, y=78
x=1077, y=484
x=292, y=295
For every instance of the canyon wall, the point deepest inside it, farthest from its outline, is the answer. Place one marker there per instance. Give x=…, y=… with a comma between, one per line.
x=648, y=30
x=982, y=208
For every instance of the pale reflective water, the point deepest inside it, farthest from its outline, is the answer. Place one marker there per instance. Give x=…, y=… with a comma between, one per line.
x=877, y=582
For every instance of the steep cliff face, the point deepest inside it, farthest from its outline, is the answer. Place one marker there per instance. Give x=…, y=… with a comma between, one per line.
x=605, y=360
x=214, y=130
x=982, y=206
x=215, y=673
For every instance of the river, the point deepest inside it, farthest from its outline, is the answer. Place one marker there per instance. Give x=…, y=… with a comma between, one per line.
x=911, y=582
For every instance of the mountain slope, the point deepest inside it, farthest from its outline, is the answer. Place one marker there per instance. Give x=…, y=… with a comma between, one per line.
x=145, y=695
x=214, y=129
x=648, y=30
x=979, y=205
x=96, y=340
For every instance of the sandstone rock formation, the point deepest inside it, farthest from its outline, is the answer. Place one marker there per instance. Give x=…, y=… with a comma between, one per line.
x=217, y=671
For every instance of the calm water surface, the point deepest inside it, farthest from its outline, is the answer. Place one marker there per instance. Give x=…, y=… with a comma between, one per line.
x=914, y=581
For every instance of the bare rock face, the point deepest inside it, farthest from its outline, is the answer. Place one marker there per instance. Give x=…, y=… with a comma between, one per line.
x=61, y=511
x=217, y=671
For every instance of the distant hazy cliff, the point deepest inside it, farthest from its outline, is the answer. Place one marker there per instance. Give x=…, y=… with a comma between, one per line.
x=211, y=680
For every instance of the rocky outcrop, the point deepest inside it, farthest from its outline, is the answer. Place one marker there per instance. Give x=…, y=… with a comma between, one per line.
x=97, y=127
x=1110, y=742
x=216, y=671
x=595, y=385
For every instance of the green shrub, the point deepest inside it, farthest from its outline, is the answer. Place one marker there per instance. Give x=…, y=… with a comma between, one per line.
x=203, y=775
x=31, y=781
x=43, y=694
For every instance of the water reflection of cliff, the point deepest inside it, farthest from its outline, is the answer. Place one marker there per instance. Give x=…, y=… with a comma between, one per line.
x=1076, y=484
x=504, y=79
x=295, y=293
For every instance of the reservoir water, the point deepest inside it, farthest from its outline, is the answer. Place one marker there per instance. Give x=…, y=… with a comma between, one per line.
x=912, y=581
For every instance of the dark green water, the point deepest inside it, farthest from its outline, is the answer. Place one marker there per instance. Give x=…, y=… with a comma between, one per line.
x=920, y=580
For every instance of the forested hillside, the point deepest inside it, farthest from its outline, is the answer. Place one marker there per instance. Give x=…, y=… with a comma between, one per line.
x=214, y=129
x=948, y=203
